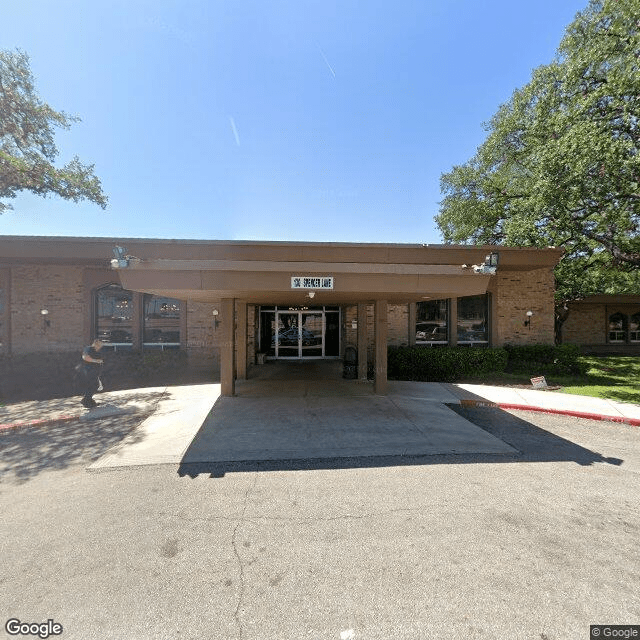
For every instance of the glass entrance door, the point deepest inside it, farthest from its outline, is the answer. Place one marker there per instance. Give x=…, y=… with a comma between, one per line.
x=300, y=333
x=311, y=338
x=287, y=338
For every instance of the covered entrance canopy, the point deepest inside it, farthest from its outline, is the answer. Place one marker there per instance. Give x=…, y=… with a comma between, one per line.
x=297, y=274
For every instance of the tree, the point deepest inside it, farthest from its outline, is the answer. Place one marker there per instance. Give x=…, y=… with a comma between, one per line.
x=561, y=163
x=27, y=147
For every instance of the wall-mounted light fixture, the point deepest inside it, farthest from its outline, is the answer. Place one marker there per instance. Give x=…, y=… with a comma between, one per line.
x=46, y=323
x=527, y=322
x=215, y=313
x=312, y=294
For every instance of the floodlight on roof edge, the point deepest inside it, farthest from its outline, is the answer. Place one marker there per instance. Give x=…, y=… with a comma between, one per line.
x=121, y=260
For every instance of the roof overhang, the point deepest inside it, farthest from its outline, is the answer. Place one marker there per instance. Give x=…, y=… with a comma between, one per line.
x=265, y=282
x=261, y=272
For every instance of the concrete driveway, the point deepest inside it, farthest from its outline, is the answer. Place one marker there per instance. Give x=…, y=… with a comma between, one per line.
x=537, y=545
x=290, y=411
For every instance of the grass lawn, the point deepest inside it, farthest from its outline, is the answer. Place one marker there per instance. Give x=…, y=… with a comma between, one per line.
x=612, y=377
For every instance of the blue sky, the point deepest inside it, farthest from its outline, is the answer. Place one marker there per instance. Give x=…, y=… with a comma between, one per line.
x=272, y=120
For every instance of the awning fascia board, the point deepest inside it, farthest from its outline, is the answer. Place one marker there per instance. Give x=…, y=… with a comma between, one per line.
x=299, y=268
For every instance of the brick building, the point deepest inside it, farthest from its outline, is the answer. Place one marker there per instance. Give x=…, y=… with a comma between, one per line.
x=604, y=324
x=228, y=305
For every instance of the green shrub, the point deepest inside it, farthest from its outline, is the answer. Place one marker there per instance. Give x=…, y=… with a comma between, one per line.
x=546, y=359
x=429, y=364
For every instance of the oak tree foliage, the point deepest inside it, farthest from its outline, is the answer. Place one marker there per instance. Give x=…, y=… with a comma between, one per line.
x=27, y=146
x=561, y=165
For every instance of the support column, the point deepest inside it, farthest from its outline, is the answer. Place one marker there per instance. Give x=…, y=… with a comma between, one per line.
x=453, y=322
x=380, y=331
x=227, y=348
x=241, y=342
x=362, y=342
x=412, y=324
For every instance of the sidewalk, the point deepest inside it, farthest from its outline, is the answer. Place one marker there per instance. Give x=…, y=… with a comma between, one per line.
x=40, y=413
x=547, y=402
x=145, y=401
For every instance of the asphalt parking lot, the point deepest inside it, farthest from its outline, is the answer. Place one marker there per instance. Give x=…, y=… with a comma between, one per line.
x=539, y=543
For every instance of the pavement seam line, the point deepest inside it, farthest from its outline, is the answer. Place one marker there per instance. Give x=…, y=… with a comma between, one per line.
x=406, y=415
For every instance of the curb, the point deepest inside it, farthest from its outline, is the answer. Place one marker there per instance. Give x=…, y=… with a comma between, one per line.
x=635, y=422
x=17, y=426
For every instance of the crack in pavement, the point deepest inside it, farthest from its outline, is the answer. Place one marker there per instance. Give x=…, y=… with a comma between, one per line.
x=346, y=516
x=234, y=535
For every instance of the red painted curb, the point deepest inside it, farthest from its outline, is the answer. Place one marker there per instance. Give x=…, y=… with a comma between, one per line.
x=13, y=426
x=635, y=422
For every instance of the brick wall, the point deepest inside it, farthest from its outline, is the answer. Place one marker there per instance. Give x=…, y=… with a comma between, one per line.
x=516, y=292
x=397, y=327
x=203, y=337
x=65, y=291
x=586, y=324
x=252, y=328
x=61, y=291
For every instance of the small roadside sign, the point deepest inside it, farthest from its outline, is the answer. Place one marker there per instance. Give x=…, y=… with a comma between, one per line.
x=539, y=383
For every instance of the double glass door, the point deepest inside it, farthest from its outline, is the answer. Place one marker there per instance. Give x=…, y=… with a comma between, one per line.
x=299, y=334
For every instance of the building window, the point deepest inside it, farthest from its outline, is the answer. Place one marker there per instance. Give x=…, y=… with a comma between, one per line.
x=114, y=316
x=161, y=322
x=617, y=327
x=634, y=328
x=473, y=320
x=432, y=322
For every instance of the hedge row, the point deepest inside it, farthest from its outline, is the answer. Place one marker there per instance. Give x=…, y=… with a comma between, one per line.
x=452, y=363
x=445, y=364
x=549, y=359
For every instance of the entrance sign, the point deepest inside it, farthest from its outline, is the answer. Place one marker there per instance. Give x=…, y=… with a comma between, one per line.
x=311, y=282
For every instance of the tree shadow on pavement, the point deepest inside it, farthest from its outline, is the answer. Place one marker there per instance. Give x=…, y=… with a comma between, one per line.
x=26, y=452
x=533, y=444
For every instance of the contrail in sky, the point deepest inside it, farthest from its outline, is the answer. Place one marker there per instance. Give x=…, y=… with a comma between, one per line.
x=235, y=131
x=333, y=73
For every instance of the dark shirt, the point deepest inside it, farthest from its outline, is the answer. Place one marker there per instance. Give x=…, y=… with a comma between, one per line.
x=92, y=353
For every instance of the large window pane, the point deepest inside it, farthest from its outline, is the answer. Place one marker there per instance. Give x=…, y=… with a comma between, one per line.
x=473, y=323
x=634, y=328
x=114, y=315
x=431, y=322
x=617, y=327
x=161, y=321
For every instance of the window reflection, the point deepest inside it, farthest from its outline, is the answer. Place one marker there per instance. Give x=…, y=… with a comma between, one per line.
x=432, y=322
x=617, y=327
x=634, y=328
x=472, y=326
x=161, y=321
x=114, y=315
